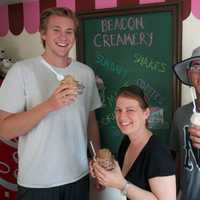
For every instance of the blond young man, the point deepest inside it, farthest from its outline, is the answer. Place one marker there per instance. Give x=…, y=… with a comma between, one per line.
x=53, y=121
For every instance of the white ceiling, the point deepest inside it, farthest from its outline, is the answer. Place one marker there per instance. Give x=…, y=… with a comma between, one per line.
x=3, y=2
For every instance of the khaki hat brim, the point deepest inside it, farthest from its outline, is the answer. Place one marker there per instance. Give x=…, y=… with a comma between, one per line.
x=181, y=68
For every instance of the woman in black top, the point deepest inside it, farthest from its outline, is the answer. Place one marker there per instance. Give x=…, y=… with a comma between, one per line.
x=146, y=170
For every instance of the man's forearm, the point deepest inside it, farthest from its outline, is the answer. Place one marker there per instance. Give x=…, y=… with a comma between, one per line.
x=14, y=125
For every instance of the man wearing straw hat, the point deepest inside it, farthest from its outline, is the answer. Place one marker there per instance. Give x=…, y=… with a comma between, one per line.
x=185, y=136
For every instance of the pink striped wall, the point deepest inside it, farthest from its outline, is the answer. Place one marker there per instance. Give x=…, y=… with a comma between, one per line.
x=196, y=8
x=31, y=11
x=69, y=3
x=4, y=24
x=105, y=4
x=151, y=1
x=31, y=16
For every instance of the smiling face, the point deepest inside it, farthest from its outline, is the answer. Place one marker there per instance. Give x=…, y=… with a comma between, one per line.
x=130, y=116
x=59, y=36
x=194, y=76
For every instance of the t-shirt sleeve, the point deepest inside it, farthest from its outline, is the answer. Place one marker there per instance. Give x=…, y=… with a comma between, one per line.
x=160, y=162
x=95, y=101
x=12, y=95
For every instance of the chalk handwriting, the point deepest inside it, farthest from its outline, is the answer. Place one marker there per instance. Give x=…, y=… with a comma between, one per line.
x=122, y=31
x=108, y=117
x=123, y=39
x=106, y=120
x=122, y=24
x=149, y=63
x=110, y=65
x=151, y=93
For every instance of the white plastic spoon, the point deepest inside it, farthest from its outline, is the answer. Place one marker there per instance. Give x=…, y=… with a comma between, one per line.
x=59, y=77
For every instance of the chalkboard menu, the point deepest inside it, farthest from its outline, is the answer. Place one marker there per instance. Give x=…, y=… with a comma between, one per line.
x=133, y=46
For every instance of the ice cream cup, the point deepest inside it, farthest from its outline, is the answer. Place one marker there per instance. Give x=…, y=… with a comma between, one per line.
x=195, y=119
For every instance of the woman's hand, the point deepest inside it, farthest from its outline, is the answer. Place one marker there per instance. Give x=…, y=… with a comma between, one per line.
x=95, y=182
x=91, y=168
x=113, y=178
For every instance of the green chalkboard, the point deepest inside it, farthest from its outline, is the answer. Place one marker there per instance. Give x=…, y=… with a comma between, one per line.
x=133, y=46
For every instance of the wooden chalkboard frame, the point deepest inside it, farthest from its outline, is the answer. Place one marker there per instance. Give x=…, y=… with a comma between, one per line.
x=173, y=7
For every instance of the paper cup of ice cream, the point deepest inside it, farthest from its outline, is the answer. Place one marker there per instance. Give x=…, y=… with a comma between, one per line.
x=195, y=119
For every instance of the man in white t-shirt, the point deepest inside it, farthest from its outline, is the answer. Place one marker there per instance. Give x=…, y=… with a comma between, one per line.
x=52, y=120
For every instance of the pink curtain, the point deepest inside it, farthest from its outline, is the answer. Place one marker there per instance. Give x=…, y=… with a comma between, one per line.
x=105, y=4
x=4, y=24
x=66, y=3
x=31, y=16
x=18, y=16
x=151, y=1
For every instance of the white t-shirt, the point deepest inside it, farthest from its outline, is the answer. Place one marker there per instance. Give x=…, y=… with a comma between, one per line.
x=54, y=152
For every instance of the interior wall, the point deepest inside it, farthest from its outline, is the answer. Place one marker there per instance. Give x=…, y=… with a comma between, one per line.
x=24, y=46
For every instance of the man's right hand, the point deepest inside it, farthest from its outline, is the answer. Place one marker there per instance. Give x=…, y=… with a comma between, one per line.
x=194, y=131
x=64, y=95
